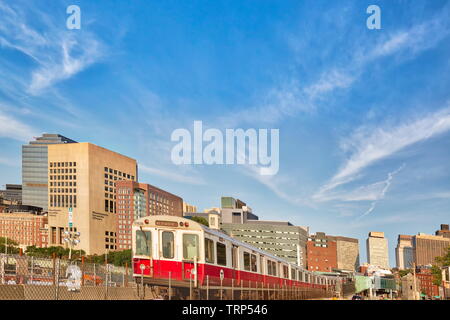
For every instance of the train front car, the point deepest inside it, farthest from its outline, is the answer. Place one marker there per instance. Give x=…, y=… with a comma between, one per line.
x=166, y=252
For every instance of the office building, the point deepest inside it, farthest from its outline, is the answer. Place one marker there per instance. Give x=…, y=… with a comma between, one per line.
x=188, y=208
x=404, y=252
x=136, y=200
x=12, y=193
x=347, y=253
x=428, y=247
x=321, y=252
x=236, y=211
x=35, y=169
x=82, y=194
x=279, y=238
x=378, y=250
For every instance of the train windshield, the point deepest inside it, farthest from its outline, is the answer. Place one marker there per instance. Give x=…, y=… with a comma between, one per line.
x=190, y=246
x=143, y=243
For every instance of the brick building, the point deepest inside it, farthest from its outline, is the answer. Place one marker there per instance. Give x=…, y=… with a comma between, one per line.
x=136, y=200
x=321, y=252
x=426, y=281
x=26, y=228
x=444, y=231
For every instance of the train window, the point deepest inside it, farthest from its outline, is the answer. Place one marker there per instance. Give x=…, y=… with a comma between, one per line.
x=143, y=242
x=209, y=250
x=269, y=267
x=221, y=254
x=253, y=263
x=190, y=246
x=247, y=261
x=293, y=274
x=285, y=271
x=274, y=268
x=168, y=244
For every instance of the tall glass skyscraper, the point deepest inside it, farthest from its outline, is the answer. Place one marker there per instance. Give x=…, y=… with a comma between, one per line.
x=35, y=169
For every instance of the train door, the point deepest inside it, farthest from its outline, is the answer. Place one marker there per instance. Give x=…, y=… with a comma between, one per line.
x=190, y=256
x=167, y=263
x=234, y=263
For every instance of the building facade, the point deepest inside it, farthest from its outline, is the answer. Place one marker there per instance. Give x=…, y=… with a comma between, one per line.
x=236, y=211
x=347, y=253
x=188, y=208
x=428, y=247
x=404, y=252
x=136, y=200
x=25, y=228
x=321, y=252
x=279, y=238
x=35, y=169
x=82, y=194
x=444, y=231
x=12, y=193
x=378, y=250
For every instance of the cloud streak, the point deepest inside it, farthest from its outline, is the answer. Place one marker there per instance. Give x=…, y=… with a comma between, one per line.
x=370, y=146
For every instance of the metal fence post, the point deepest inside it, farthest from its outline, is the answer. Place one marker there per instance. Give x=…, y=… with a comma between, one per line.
x=190, y=286
x=232, y=289
x=57, y=279
x=207, y=287
x=170, y=285
x=2, y=267
x=95, y=276
x=106, y=282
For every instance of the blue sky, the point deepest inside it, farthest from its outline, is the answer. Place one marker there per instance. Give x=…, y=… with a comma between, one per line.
x=364, y=115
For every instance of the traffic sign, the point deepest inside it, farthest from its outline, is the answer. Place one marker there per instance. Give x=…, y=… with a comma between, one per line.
x=70, y=217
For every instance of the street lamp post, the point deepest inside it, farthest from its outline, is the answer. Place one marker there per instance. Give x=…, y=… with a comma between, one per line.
x=72, y=238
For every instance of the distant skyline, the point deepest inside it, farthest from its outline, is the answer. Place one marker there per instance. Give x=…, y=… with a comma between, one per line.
x=363, y=115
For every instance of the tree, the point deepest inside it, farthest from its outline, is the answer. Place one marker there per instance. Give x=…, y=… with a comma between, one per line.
x=200, y=220
x=443, y=261
x=117, y=258
x=403, y=273
x=12, y=246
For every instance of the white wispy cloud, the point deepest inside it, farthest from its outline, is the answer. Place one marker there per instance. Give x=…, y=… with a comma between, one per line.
x=370, y=146
x=58, y=53
x=15, y=129
x=387, y=183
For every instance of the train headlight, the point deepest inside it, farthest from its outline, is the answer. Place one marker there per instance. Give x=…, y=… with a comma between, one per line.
x=181, y=224
x=142, y=267
x=186, y=224
x=146, y=221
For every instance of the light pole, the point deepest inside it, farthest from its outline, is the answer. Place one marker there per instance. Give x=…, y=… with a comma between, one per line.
x=72, y=239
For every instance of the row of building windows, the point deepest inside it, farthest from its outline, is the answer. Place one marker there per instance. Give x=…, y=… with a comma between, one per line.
x=62, y=164
x=63, y=184
x=66, y=201
x=63, y=177
x=63, y=170
x=119, y=173
x=62, y=190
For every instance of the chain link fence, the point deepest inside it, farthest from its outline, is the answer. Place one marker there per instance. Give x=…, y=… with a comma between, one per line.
x=33, y=278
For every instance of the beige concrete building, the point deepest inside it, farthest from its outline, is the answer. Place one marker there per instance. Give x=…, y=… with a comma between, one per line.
x=428, y=247
x=188, y=208
x=82, y=180
x=404, y=252
x=378, y=250
x=347, y=253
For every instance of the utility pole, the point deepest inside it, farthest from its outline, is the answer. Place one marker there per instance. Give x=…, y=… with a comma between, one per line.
x=414, y=280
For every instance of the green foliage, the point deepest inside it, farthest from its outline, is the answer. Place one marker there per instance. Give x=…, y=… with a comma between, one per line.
x=117, y=258
x=437, y=275
x=200, y=220
x=12, y=245
x=443, y=261
x=59, y=252
x=403, y=273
